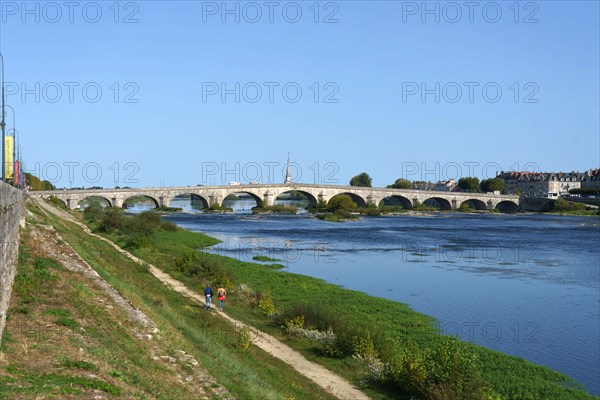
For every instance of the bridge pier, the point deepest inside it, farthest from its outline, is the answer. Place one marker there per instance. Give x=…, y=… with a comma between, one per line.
x=116, y=202
x=268, y=198
x=322, y=198
x=214, y=198
x=70, y=203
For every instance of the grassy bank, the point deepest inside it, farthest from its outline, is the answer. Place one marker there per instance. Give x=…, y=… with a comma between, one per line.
x=246, y=373
x=382, y=345
x=65, y=338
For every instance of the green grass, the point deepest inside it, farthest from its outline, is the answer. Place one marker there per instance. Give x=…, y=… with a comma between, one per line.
x=248, y=374
x=265, y=259
x=62, y=295
x=51, y=384
x=336, y=217
x=277, y=209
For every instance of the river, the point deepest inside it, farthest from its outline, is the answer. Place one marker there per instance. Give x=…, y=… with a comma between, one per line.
x=526, y=285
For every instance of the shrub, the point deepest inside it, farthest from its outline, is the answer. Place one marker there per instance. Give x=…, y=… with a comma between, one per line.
x=464, y=207
x=370, y=211
x=265, y=303
x=363, y=346
x=185, y=260
x=93, y=212
x=243, y=338
x=136, y=240
x=112, y=219
x=341, y=202
x=448, y=371
x=563, y=205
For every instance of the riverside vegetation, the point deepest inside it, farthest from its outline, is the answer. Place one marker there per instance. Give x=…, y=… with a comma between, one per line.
x=121, y=365
x=381, y=345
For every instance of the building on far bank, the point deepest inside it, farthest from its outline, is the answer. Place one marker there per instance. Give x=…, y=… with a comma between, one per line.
x=540, y=184
x=591, y=179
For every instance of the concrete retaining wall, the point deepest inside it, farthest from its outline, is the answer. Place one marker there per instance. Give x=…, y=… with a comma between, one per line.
x=12, y=215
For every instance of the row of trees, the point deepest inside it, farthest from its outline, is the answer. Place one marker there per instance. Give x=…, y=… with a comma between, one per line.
x=472, y=184
x=469, y=184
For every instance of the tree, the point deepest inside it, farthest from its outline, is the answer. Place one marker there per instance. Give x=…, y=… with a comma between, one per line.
x=492, y=185
x=363, y=179
x=401, y=184
x=37, y=184
x=341, y=202
x=469, y=184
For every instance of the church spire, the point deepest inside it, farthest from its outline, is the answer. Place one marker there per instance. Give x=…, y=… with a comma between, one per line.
x=288, y=176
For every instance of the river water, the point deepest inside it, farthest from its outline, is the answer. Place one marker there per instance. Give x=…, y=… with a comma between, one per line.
x=526, y=285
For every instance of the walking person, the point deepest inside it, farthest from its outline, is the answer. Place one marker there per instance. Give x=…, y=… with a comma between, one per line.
x=208, y=293
x=221, y=293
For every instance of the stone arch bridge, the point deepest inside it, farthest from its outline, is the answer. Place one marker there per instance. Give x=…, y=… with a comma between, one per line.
x=162, y=196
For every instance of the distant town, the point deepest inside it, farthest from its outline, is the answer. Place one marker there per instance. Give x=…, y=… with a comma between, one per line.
x=530, y=184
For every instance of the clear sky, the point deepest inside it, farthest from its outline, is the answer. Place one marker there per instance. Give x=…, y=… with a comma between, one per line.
x=197, y=92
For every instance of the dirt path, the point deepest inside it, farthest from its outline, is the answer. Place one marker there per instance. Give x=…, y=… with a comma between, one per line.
x=326, y=379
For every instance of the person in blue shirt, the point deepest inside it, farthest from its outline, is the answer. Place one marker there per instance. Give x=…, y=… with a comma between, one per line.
x=208, y=293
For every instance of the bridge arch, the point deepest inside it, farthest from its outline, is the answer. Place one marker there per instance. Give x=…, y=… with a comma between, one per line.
x=507, y=206
x=57, y=198
x=128, y=199
x=355, y=198
x=396, y=200
x=87, y=200
x=253, y=195
x=438, y=202
x=193, y=197
x=309, y=196
x=475, y=204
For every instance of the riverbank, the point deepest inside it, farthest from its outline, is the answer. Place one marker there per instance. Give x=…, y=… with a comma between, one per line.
x=269, y=299
x=246, y=372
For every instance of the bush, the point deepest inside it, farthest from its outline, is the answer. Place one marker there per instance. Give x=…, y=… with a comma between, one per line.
x=112, y=219
x=321, y=206
x=135, y=240
x=563, y=205
x=265, y=303
x=448, y=371
x=370, y=211
x=464, y=207
x=341, y=202
x=93, y=212
x=215, y=207
x=193, y=263
x=243, y=338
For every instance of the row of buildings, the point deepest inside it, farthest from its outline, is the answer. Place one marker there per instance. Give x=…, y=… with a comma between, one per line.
x=548, y=184
x=532, y=184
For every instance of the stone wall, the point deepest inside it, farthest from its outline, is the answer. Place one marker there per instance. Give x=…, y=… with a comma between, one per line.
x=12, y=215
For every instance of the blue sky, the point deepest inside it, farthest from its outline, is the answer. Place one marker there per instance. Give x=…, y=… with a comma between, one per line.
x=393, y=88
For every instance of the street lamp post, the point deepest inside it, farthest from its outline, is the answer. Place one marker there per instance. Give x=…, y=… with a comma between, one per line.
x=3, y=124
